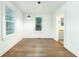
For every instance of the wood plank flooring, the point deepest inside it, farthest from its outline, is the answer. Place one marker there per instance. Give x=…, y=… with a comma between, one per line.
x=39, y=47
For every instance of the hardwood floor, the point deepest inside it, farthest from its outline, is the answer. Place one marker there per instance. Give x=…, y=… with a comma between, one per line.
x=61, y=41
x=38, y=48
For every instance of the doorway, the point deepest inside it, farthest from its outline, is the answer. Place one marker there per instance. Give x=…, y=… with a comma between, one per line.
x=60, y=29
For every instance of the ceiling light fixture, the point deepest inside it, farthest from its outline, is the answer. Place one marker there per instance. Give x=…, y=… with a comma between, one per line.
x=38, y=2
x=28, y=16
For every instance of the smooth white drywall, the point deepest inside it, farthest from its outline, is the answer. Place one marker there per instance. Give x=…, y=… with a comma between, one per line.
x=53, y=26
x=0, y=20
x=29, y=27
x=71, y=36
x=9, y=41
x=71, y=27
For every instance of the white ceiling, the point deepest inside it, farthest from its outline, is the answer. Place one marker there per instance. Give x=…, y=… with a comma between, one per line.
x=33, y=7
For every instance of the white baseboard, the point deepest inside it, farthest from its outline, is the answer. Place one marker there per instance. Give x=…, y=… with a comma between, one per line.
x=73, y=51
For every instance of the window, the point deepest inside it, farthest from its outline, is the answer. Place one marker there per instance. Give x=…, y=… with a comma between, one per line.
x=38, y=23
x=9, y=16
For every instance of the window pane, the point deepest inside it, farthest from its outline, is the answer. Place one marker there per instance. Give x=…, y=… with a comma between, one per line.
x=38, y=23
x=9, y=21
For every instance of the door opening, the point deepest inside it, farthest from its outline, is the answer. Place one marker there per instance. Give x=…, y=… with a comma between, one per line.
x=60, y=29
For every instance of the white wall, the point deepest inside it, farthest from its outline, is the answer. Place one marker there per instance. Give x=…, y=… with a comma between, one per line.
x=29, y=27
x=72, y=29
x=71, y=36
x=9, y=41
x=53, y=26
x=0, y=20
